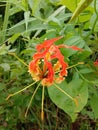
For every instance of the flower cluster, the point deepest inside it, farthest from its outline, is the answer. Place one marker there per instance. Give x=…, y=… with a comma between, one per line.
x=48, y=63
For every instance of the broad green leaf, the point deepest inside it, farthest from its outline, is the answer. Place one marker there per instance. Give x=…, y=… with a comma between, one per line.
x=77, y=89
x=73, y=41
x=85, y=70
x=86, y=53
x=94, y=105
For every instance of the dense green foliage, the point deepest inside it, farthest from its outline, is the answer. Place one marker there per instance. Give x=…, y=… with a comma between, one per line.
x=26, y=23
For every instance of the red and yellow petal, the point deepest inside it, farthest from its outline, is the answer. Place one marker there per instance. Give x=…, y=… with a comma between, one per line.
x=72, y=47
x=47, y=43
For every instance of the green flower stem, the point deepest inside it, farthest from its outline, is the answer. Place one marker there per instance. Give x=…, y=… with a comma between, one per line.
x=79, y=63
x=31, y=100
x=11, y=95
x=42, y=110
x=18, y=58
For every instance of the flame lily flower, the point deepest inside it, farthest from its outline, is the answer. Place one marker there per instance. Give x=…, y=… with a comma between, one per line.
x=96, y=63
x=47, y=66
x=48, y=63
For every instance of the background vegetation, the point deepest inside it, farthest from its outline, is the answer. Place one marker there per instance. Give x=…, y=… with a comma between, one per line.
x=26, y=23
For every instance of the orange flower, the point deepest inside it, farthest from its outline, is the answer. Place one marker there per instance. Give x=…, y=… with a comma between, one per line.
x=96, y=63
x=48, y=63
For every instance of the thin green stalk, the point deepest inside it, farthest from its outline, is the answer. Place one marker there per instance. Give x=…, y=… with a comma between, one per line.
x=31, y=100
x=72, y=66
x=42, y=110
x=6, y=17
x=64, y=92
x=18, y=58
x=13, y=94
x=73, y=99
x=79, y=63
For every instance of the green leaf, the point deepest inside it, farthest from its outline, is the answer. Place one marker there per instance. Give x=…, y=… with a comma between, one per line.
x=15, y=10
x=70, y=4
x=78, y=89
x=5, y=66
x=78, y=6
x=73, y=41
x=94, y=105
x=92, y=22
x=24, y=4
x=26, y=16
x=35, y=6
x=4, y=49
x=85, y=70
x=86, y=53
x=2, y=86
x=95, y=82
x=81, y=6
x=2, y=110
x=13, y=38
x=86, y=14
x=33, y=24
